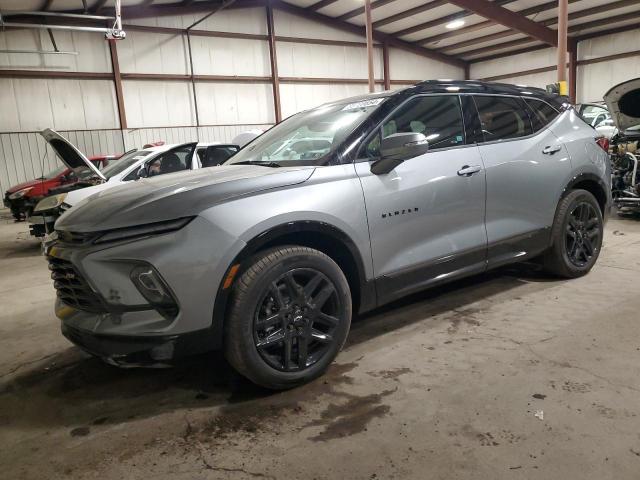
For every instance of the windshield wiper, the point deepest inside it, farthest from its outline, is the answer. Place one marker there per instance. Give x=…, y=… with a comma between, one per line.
x=262, y=163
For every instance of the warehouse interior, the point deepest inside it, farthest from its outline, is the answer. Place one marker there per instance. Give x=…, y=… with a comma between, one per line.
x=510, y=373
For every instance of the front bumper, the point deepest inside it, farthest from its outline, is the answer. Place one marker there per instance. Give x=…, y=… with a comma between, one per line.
x=111, y=319
x=40, y=225
x=132, y=351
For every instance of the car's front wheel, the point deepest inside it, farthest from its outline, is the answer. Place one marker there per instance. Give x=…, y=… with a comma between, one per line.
x=289, y=316
x=576, y=235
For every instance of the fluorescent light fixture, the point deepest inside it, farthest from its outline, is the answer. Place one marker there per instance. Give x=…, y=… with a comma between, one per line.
x=455, y=24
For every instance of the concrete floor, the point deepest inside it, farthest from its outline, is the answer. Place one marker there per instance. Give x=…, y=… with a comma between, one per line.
x=445, y=384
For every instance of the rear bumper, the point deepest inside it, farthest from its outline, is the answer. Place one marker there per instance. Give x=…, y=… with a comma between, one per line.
x=131, y=351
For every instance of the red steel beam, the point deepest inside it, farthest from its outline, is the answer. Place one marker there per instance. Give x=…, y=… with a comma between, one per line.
x=273, y=58
x=117, y=81
x=385, y=66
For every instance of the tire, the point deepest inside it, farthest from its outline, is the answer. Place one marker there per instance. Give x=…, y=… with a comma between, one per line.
x=277, y=335
x=576, y=236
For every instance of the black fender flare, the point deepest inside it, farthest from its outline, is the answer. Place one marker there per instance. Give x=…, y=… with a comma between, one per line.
x=367, y=297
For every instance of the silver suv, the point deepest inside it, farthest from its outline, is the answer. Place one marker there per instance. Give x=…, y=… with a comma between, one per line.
x=334, y=211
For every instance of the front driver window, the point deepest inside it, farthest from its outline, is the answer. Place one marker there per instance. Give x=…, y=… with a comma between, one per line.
x=437, y=117
x=170, y=162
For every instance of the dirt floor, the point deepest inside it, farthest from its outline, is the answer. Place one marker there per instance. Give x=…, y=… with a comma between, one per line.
x=507, y=375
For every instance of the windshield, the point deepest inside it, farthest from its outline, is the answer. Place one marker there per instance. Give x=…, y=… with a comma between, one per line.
x=124, y=162
x=54, y=173
x=308, y=137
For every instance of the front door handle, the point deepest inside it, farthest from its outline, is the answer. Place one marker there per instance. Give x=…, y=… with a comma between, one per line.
x=551, y=149
x=467, y=171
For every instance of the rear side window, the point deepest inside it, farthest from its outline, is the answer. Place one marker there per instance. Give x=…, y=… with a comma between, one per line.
x=502, y=118
x=542, y=114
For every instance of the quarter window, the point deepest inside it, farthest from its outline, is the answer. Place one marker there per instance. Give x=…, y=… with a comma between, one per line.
x=438, y=118
x=542, y=114
x=502, y=118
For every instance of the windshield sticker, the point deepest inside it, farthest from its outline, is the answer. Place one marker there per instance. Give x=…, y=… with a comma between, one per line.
x=363, y=104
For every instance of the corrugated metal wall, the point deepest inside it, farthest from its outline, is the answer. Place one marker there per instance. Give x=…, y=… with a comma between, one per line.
x=593, y=80
x=86, y=110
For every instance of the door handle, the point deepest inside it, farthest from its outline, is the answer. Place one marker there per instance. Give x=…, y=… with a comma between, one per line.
x=550, y=150
x=467, y=171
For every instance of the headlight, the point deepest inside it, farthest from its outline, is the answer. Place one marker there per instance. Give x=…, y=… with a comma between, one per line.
x=20, y=193
x=50, y=202
x=143, y=230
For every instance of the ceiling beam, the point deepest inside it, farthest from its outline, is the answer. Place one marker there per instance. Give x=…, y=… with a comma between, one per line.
x=360, y=10
x=489, y=23
x=358, y=30
x=632, y=16
x=321, y=4
x=442, y=20
x=551, y=21
x=506, y=17
x=409, y=13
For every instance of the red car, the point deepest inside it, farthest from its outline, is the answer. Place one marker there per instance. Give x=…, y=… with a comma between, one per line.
x=23, y=197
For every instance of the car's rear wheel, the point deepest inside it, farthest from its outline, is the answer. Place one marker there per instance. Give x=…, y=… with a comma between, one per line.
x=289, y=316
x=576, y=235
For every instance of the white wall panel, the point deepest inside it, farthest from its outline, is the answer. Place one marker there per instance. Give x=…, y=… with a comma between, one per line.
x=539, y=80
x=158, y=104
x=246, y=20
x=144, y=52
x=229, y=103
x=230, y=56
x=298, y=97
x=226, y=133
x=63, y=104
x=514, y=63
x=409, y=66
x=92, y=48
x=306, y=60
x=609, y=45
x=596, y=79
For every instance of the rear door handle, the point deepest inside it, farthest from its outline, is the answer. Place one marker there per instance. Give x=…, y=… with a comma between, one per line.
x=467, y=171
x=551, y=149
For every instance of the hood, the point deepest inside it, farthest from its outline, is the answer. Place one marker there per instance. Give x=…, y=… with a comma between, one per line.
x=623, y=101
x=31, y=183
x=69, y=154
x=175, y=195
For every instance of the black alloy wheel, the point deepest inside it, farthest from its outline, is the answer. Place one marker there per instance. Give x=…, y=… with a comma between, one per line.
x=288, y=317
x=295, y=321
x=582, y=234
x=576, y=235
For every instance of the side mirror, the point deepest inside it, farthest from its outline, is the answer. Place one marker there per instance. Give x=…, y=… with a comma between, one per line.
x=142, y=173
x=397, y=148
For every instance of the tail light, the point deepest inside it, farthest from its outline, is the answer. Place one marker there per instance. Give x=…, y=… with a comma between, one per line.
x=604, y=143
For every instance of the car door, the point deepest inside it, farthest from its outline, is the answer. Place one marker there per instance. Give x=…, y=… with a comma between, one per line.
x=522, y=168
x=426, y=216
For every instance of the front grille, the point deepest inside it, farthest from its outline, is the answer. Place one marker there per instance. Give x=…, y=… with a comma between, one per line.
x=71, y=288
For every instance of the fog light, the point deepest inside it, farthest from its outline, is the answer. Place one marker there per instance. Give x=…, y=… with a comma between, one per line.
x=154, y=289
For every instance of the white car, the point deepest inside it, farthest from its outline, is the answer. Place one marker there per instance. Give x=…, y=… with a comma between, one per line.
x=607, y=128
x=157, y=160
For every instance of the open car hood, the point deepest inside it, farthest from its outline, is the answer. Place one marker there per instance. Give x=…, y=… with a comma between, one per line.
x=69, y=154
x=623, y=101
